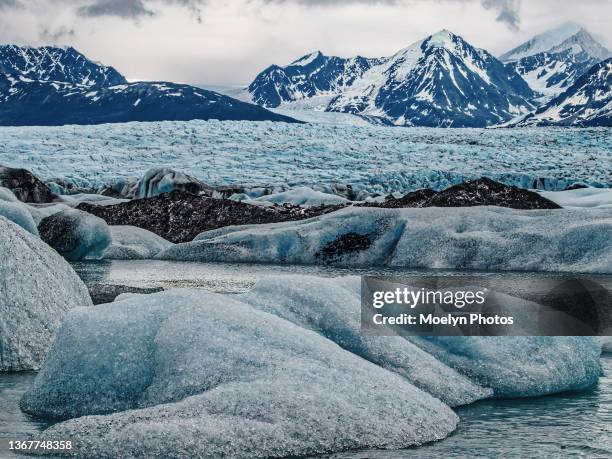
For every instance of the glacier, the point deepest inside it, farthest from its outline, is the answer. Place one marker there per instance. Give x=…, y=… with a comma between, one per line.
x=231, y=381
x=481, y=238
x=38, y=288
x=319, y=156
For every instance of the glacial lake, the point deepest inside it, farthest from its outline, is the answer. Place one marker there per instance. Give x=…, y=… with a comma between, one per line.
x=575, y=424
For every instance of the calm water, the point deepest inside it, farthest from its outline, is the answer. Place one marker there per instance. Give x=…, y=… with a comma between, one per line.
x=562, y=425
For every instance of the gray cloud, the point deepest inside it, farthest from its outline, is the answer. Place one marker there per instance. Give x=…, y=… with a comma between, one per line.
x=9, y=4
x=134, y=9
x=55, y=36
x=508, y=11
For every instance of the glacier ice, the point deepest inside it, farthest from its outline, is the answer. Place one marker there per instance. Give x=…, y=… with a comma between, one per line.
x=332, y=308
x=606, y=343
x=158, y=180
x=302, y=196
x=206, y=375
x=38, y=288
x=277, y=154
x=590, y=198
x=18, y=213
x=7, y=195
x=133, y=243
x=487, y=238
x=75, y=234
x=519, y=366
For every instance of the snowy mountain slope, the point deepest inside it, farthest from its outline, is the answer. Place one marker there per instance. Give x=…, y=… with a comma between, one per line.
x=55, y=86
x=311, y=75
x=439, y=81
x=552, y=61
x=26, y=102
x=588, y=102
x=49, y=63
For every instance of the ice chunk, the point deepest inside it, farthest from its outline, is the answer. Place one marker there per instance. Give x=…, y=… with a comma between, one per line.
x=38, y=288
x=331, y=307
x=488, y=238
x=592, y=198
x=303, y=196
x=7, y=195
x=521, y=366
x=75, y=234
x=158, y=180
x=19, y=214
x=207, y=375
x=74, y=200
x=41, y=211
x=132, y=243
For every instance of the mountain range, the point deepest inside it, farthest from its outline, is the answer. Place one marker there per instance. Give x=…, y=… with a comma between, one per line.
x=440, y=81
x=56, y=86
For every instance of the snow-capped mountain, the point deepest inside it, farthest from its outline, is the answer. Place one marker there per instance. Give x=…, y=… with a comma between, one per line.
x=28, y=102
x=588, y=102
x=310, y=76
x=439, y=81
x=49, y=63
x=552, y=61
x=55, y=86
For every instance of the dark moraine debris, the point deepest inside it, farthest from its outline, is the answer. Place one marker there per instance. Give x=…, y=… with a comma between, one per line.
x=107, y=293
x=480, y=192
x=25, y=185
x=347, y=243
x=179, y=216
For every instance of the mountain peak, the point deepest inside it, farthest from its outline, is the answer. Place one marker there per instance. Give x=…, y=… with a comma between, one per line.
x=443, y=38
x=308, y=58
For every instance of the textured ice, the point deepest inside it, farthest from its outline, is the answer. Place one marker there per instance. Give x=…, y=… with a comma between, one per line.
x=18, y=213
x=606, y=344
x=158, y=180
x=38, y=288
x=374, y=159
x=132, y=243
x=97, y=199
x=302, y=196
x=486, y=238
x=7, y=195
x=591, y=198
x=521, y=366
x=75, y=234
x=332, y=308
x=206, y=375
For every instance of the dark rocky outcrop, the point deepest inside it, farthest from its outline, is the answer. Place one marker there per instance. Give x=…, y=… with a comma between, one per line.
x=480, y=192
x=25, y=186
x=179, y=216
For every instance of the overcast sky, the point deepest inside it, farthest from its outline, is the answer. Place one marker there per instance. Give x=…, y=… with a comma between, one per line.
x=229, y=42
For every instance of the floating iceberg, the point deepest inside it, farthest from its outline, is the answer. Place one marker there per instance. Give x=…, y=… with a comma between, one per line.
x=519, y=366
x=76, y=235
x=487, y=238
x=18, y=213
x=158, y=180
x=38, y=288
x=332, y=308
x=132, y=243
x=302, y=196
x=198, y=374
